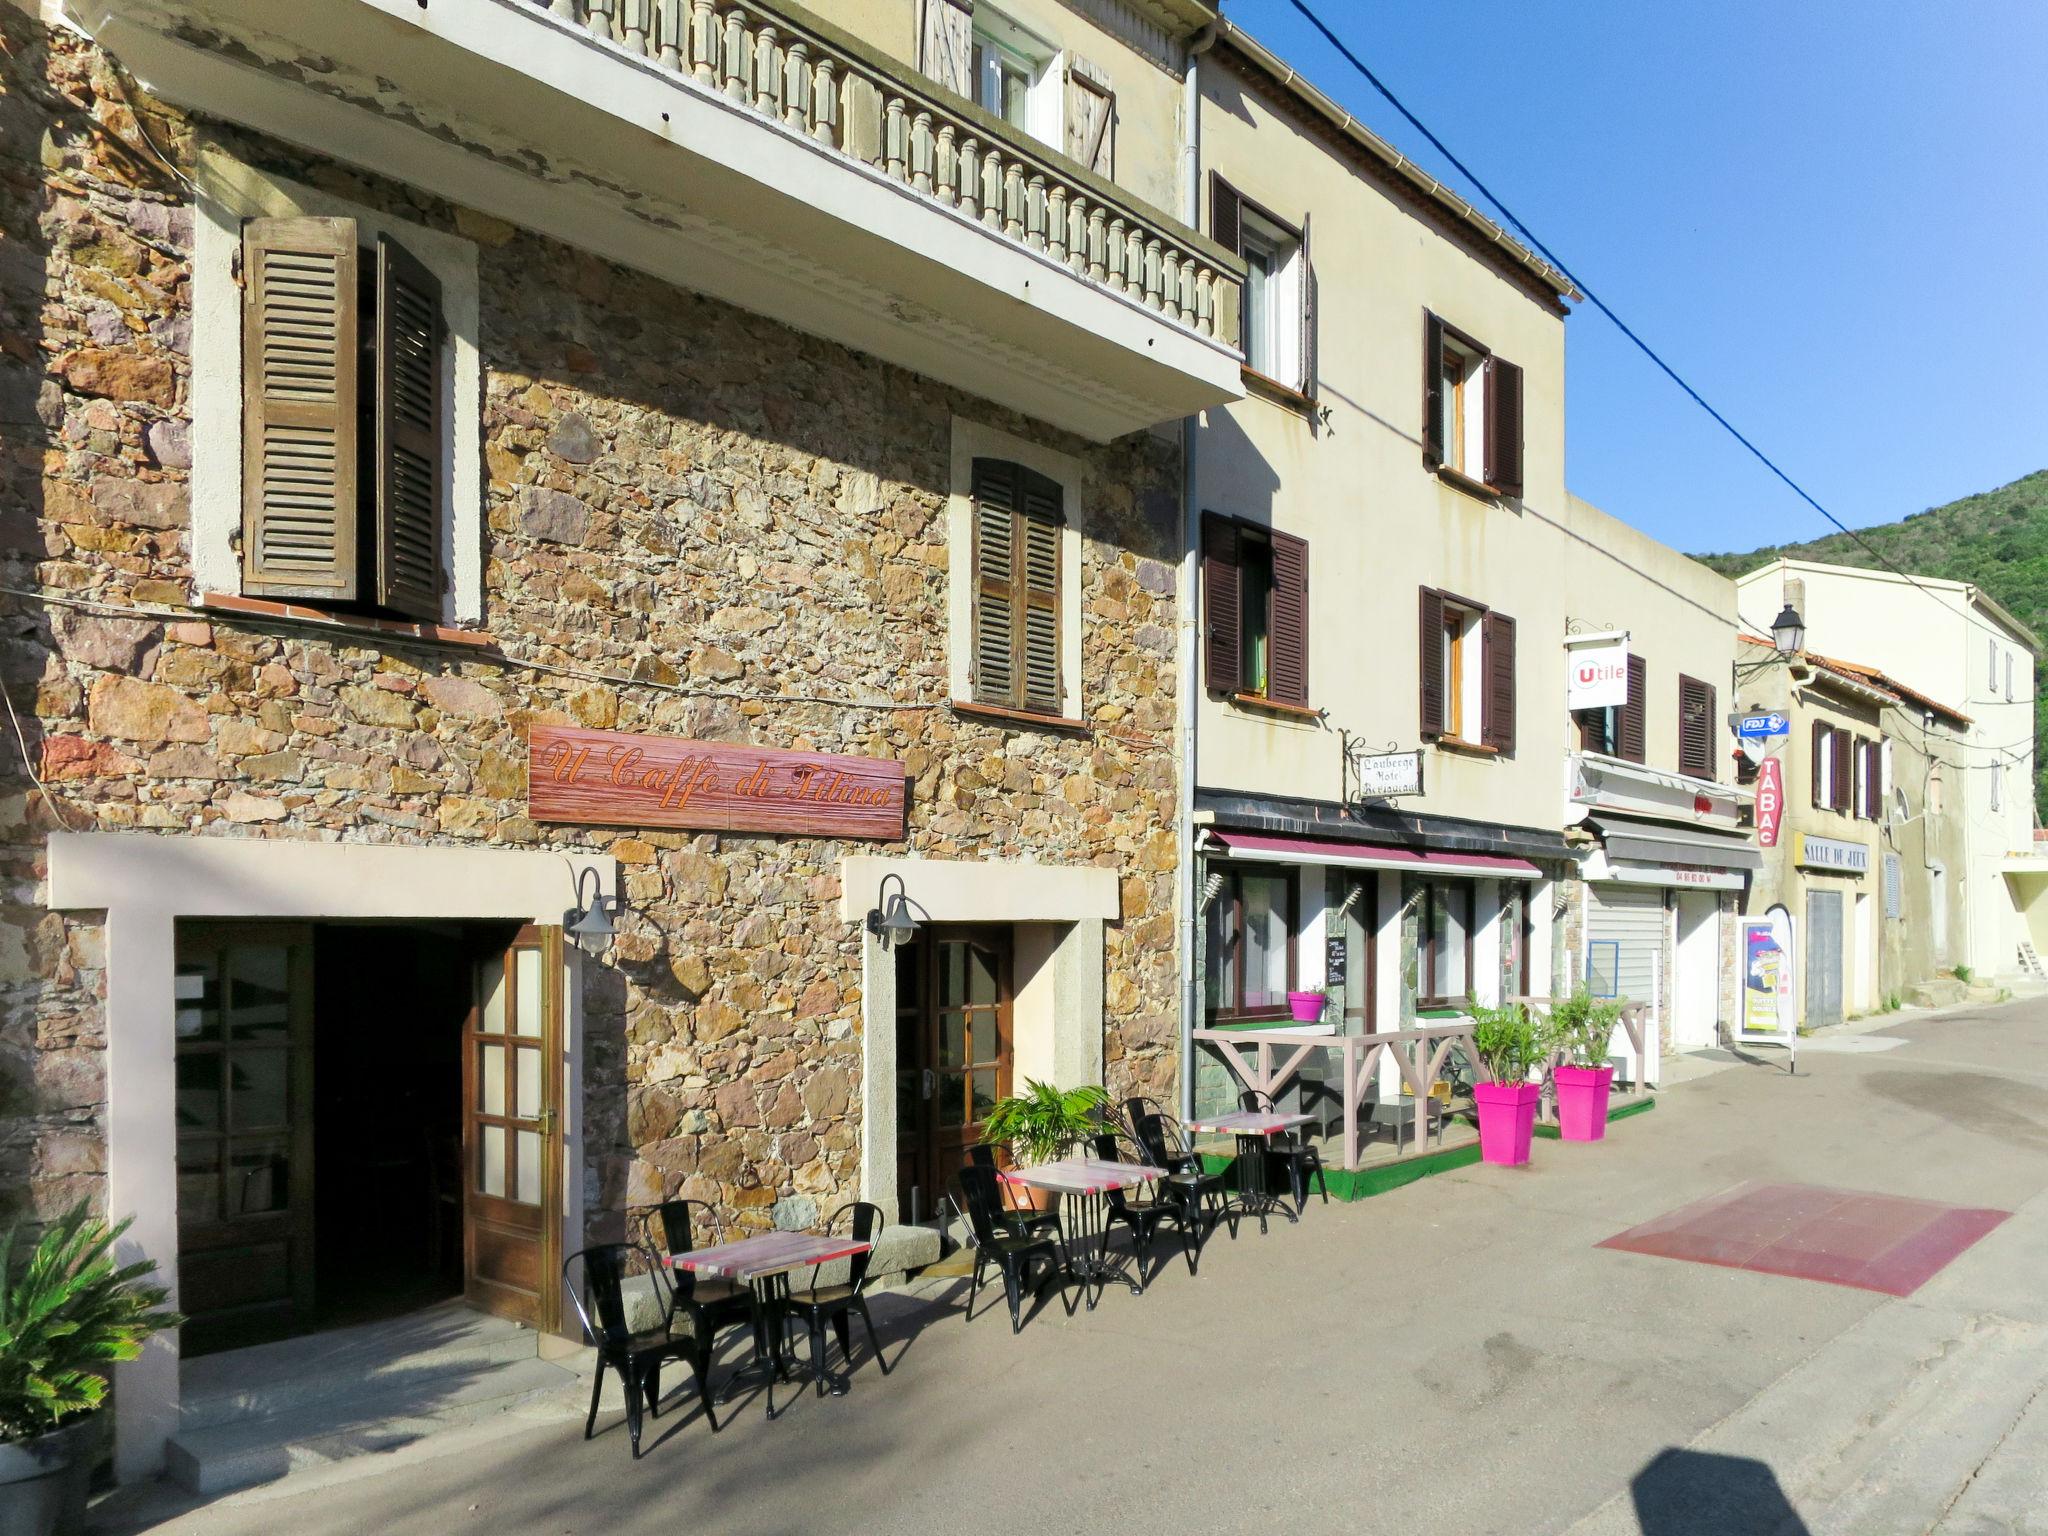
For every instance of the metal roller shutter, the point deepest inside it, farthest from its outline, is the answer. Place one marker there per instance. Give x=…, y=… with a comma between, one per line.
x=1632, y=919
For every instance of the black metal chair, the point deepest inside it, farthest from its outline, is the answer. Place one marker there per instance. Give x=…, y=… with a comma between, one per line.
x=600, y=1304
x=1301, y=1155
x=709, y=1307
x=836, y=1304
x=1199, y=1194
x=1143, y=1216
x=1013, y=1253
x=1023, y=1219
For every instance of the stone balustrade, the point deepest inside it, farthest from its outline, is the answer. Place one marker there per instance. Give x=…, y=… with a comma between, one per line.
x=819, y=83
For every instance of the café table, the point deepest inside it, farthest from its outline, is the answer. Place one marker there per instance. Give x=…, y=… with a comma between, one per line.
x=763, y=1264
x=1087, y=1183
x=1254, y=1130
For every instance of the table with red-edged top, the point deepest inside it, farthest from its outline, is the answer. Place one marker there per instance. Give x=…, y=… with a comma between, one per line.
x=763, y=1264
x=1088, y=1184
x=1254, y=1130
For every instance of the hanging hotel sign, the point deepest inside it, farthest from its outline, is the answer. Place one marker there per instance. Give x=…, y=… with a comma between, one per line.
x=611, y=778
x=1596, y=671
x=1380, y=774
x=1831, y=853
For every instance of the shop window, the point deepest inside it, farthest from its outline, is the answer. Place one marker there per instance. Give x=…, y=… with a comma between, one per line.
x=1251, y=933
x=1471, y=409
x=1443, y=950
x=1467, y=682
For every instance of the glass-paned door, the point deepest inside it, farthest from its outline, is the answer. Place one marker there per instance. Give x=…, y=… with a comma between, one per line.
x=243, y=1059
x=511, y=1151
x=953, y=1054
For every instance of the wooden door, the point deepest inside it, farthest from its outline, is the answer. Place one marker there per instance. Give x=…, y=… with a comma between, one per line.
x=511, y=1088
x=954, y=1053
x=244, y=1073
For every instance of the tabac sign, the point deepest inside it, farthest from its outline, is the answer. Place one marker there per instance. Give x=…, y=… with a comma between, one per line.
x=610, y=778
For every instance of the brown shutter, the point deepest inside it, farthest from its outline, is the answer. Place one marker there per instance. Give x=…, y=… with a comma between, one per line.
x=1432, y=390
x=1877, y=785
x=1226, y=215
x=1821, y=749
x=1497, y=729
x=1308, y=315
x=1430, y=648
x=1044, y=514
x=299, y=408
x=1695, y=728
x=1222, y=610
x=1287, y=674
x=1504, y=427
x=1845, y=774
x=1631, y=745
x=408, y=457
x=996, y=583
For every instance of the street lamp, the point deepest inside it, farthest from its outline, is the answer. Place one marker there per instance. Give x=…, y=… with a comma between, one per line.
x=589, y=924
x=891, y=919
x=1788, y=631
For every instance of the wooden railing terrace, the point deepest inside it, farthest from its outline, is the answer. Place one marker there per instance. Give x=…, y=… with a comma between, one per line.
x=822, y=83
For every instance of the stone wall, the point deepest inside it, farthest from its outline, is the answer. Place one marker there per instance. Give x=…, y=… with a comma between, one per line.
x=700, y=524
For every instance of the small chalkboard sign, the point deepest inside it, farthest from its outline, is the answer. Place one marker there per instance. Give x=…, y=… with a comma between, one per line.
x=1337, y=955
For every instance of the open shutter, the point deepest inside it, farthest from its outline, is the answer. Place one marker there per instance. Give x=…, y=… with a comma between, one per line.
x=1497, y=724
x=1039, y=526
x=1845, y=774
x=1877, y=785
x=1821, y=749
x=299, y=408
x=1432, y=390
x=1222, y=613
x=1504, y=427
x=946, y=43
x=1226, y=215
x=1430, y=647
x=1633, y=714
x=408, y=457
x=996, y=581
x=1308, y=315
x=1287, y=676
x=1091, y=117
x=1695, y=728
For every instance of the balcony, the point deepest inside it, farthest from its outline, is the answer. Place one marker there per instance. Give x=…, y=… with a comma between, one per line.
x=758, y=155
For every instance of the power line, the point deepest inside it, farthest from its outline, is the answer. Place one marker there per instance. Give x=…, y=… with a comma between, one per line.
x=1621, y=325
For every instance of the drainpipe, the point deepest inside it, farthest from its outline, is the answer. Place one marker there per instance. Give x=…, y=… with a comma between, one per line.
x=1189, y=948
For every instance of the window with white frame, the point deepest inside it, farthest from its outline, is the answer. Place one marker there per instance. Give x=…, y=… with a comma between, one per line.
x=1463, y=689
x=1272, y=297
x=1011, y=75
x=1463, y=375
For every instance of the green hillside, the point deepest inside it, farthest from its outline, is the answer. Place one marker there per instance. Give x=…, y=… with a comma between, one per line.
x=1997, y=539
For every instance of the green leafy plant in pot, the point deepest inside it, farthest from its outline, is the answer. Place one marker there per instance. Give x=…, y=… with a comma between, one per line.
x=1510, y=1045
x=1582, y=1026
x=67, y=1314
x=1043, y=1123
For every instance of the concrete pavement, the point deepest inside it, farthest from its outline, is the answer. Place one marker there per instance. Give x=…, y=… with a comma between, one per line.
x=1455, y=1356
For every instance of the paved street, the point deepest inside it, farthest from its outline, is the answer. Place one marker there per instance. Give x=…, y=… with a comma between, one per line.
x=1456, y=1356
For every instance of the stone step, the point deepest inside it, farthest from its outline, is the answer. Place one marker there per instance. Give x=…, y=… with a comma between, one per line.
x=1941, y=992
x=380, y=1416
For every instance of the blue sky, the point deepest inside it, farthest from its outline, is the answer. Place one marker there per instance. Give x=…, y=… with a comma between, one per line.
x=1831, y=217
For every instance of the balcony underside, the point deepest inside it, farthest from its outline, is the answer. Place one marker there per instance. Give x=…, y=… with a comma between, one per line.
x=499, y=107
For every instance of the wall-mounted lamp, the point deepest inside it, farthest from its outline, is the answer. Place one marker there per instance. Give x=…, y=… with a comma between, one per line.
x=589, y=923
x=1212, y=888
x=891, y=919
x=1788, y=631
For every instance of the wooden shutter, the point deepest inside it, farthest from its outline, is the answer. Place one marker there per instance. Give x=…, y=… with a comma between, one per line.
x=1497, y=727
x=1226, y=215
x=1877, y=785
x=1845, y=773
x=1430, y=642
x=1091, y=117
x=299, y=408
x=1308, y=315
x=1287, y=672
x=1695, y=728
x=408, y=456
x=946, y=43
x=1821, y=748
x=1044, y=514
x=1633, y=714
x=1432, y=390
x=1504, y=427
x=1222, y=606
x=996, y=581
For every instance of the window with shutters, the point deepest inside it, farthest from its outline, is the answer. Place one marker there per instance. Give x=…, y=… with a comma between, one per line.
x=1019, y=516
x=344, y=418
x=1277, y=320
x=1620, y=730
x=1696, y=729
x=1010, y=74
x=1471, y=410
x=1250, y=950
x=1467, y=679
x=1255, y=612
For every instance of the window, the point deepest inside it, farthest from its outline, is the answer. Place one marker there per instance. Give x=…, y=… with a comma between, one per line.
x=1443, y=949
x=1619, y=730
x=1278, y=322
x=1250, y=943
x=1696, y=733
x=1467, y=680
x=1992, y=650
x=2008, y=677
x=1002, y=79
x=1859, y=805
x=1833, y=772
x=1471, y=409
x=345, y=411
x=1255, y=612
x=1019, y=516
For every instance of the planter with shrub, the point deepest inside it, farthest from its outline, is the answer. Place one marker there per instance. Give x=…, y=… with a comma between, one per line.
x=1510, y=1047
x=1583, y=1028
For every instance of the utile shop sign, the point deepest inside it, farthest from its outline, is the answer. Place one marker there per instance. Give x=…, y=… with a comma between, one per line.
x=1596, y=672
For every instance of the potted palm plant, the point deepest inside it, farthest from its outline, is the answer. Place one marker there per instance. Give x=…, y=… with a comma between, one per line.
x=1510, y=1046
x=1583, y=1027
x=1043, y=1123
x=67, y=1313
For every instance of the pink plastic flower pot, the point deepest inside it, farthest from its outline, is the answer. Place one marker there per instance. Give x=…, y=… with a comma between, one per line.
x=1507, y=1120
x=1582, y=1102
x=1307, y=1007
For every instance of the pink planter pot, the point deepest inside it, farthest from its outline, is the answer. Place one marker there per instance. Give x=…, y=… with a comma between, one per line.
x=1507, y=1120
x=1582, y=1102
x=1307, y=1007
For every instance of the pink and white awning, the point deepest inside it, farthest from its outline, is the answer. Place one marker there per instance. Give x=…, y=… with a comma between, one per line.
x=1264, y=848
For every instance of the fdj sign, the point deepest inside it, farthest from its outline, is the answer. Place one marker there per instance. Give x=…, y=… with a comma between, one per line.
x=1772, y=724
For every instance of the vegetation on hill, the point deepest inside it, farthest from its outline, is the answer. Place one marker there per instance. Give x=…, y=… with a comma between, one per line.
x=1997, y=540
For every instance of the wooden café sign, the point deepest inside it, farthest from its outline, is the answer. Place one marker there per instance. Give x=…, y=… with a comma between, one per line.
x=611, y=778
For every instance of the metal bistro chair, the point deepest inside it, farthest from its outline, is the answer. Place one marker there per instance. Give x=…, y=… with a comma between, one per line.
x=1022, y=1219
x=1013, y=1253
x=1199, y=1194
x=709, y=1306
x=1301, y=1155
x=836, y=1304
x=600, y=1304
x=1142, y=1216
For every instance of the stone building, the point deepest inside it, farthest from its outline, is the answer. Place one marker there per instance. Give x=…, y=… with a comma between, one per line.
x=380, y=399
